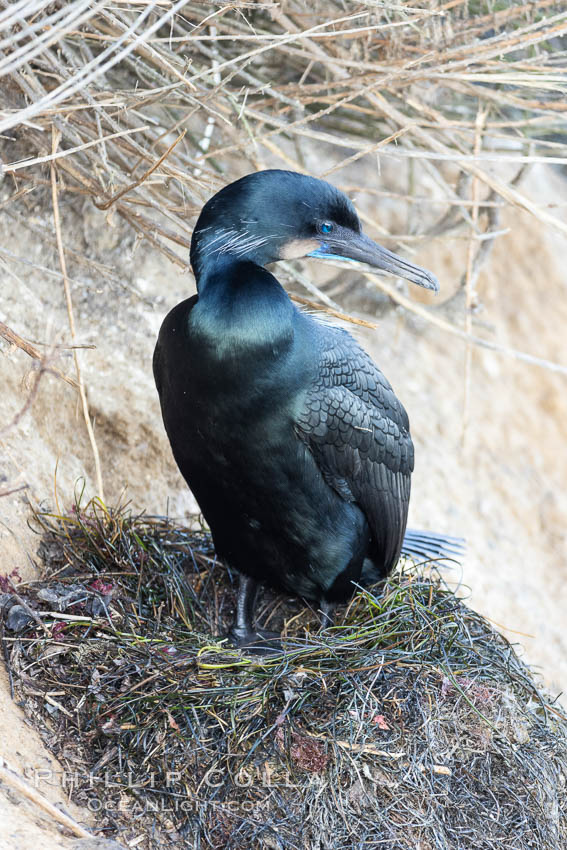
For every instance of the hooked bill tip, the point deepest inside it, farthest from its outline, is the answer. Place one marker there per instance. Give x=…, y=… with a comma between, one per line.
x=430, y=282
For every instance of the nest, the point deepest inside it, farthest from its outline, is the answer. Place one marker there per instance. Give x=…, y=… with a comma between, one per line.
x=411, y=723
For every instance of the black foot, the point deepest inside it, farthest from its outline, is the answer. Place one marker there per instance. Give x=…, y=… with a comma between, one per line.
x=258, y=641
x=326, y=614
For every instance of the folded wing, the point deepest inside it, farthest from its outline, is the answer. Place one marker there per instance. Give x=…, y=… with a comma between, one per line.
x=358, y=432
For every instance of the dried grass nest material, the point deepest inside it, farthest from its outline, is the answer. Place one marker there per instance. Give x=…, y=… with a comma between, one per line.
x=410, y=724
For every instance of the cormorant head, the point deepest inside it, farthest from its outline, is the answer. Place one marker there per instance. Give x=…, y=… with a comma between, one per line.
x=278, y=215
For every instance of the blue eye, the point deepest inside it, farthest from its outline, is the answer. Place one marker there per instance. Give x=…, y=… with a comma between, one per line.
x=326, y=227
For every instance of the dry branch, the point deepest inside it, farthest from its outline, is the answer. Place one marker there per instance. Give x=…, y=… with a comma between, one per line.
x=15, y=339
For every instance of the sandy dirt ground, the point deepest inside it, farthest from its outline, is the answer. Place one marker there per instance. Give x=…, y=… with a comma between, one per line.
x=504, y=490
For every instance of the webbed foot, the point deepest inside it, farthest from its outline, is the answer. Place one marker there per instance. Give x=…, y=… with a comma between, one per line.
x=258, y=641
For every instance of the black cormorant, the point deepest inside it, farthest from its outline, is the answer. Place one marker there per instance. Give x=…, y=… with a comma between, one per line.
x=291, y=439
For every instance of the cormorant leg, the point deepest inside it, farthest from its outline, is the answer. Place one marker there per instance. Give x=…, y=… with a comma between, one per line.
x=247, y=593
x=242, y=632
x=326, y=613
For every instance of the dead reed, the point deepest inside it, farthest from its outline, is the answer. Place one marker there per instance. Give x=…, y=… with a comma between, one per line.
x=156, y=104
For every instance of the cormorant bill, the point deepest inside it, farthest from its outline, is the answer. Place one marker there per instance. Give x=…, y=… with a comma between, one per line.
x=291, y=439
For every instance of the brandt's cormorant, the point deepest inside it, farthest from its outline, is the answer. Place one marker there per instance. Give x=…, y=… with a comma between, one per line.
x=291, y=439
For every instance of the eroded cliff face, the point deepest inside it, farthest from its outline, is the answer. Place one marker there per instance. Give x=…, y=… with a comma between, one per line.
x=504, y=490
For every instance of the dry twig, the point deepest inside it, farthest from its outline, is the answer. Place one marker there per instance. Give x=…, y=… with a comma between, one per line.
x=81, y=386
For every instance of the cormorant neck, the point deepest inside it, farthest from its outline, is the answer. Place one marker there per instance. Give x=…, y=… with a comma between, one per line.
x=216, y=273
x=240, y=303
x=228, y=277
